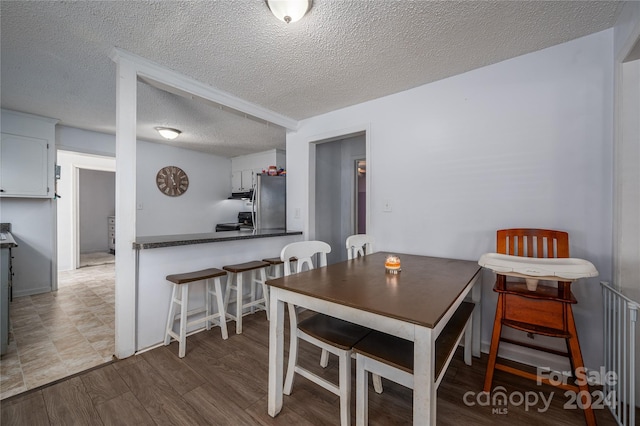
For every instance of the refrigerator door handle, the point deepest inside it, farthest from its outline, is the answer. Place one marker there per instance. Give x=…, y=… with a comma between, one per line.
x=253, y=206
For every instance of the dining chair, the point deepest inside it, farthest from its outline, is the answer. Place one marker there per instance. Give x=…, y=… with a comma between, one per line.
x=358, y=245
x=334, y=335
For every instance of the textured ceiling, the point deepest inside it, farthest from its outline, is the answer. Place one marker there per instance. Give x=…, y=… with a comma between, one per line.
x=55, y=56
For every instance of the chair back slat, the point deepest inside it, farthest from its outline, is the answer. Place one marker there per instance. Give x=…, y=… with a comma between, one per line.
x=304, y=252
x=527, y=242
x=359, y=245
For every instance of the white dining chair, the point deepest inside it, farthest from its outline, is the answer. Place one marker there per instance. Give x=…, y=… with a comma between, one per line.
x=359, y=245
x=334, y=335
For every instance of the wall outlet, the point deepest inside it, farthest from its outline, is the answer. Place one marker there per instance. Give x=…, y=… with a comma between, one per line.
x=297, y=213
x=139, y=206
x=386, y=206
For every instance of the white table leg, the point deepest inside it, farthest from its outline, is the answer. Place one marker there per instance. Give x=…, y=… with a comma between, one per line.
x=362, y=397
x=276, y=352
x=424, y=390
x=476, y=297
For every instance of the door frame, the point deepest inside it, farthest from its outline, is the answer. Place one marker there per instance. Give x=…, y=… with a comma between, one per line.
x=332, y=136
x=79, y=160
x=75, y=210
x=356, y=203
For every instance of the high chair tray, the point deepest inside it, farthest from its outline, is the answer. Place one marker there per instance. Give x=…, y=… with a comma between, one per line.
x=553, y=269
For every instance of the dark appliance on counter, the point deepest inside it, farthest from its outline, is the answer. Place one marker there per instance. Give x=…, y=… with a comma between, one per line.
x=246, y=195
x=244, y=223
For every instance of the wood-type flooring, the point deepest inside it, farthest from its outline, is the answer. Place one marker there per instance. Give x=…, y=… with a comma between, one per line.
x=222, y=382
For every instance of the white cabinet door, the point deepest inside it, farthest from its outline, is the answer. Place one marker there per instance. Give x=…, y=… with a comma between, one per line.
x=24, y=166
x=236, y=181
x=247, y=179
x=242, y=180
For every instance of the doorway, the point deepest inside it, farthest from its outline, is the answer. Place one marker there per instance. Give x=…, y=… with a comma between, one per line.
x=96, y=208
x=338, y=209
x=87, y=190
x=360, y=196
x=86, y=268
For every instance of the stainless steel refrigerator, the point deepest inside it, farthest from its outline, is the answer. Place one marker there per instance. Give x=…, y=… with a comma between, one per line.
x=269, y=202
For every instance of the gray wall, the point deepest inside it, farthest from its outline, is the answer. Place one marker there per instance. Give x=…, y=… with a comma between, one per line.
x=96, y=201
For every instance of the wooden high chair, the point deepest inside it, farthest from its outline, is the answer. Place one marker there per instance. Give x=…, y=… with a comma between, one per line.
x=546, y=311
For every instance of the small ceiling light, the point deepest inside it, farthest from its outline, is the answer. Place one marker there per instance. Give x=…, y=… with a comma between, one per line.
x=289, y=10
x=168, y=133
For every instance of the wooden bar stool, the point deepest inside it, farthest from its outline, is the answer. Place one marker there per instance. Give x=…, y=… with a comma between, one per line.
x=275, y=264
x=546, y=310
x=274, y=267
x=180, y=297
x=235, y=283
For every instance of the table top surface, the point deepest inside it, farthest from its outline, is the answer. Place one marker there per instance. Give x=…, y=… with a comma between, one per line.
x=421, y=293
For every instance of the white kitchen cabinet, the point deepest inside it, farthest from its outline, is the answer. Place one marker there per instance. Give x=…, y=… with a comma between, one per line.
x=245, y=168
x=27, y=156
x=241, y=180
x=24, y=166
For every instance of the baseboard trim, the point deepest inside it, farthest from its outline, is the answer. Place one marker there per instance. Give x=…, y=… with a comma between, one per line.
x=31, y=292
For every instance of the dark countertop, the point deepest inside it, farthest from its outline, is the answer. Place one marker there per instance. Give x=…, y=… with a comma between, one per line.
x=212, y=237
x=9, y=242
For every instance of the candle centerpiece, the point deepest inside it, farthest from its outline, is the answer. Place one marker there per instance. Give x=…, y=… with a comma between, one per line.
x=392, y=264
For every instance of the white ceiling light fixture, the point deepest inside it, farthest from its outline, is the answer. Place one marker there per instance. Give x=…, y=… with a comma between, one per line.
x=289, y=10
x=168, y=133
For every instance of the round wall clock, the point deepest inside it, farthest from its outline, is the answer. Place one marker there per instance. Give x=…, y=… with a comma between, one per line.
x=172, y=181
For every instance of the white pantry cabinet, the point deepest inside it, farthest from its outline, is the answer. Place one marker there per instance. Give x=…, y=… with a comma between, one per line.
x=27, y=156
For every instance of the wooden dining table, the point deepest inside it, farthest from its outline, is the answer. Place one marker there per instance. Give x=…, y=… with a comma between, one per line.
x=414, y=304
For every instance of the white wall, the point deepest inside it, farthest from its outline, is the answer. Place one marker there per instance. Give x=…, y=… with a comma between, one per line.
x=627, y=153
x=85, y=141
x=69, y=162
x=523, y=143
x=627, y=162
x=628, y=182
x=197, y=210
x=97, y=201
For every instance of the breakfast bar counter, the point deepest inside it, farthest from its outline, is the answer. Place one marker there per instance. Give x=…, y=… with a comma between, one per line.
x=162, y=241
x=162, y=255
